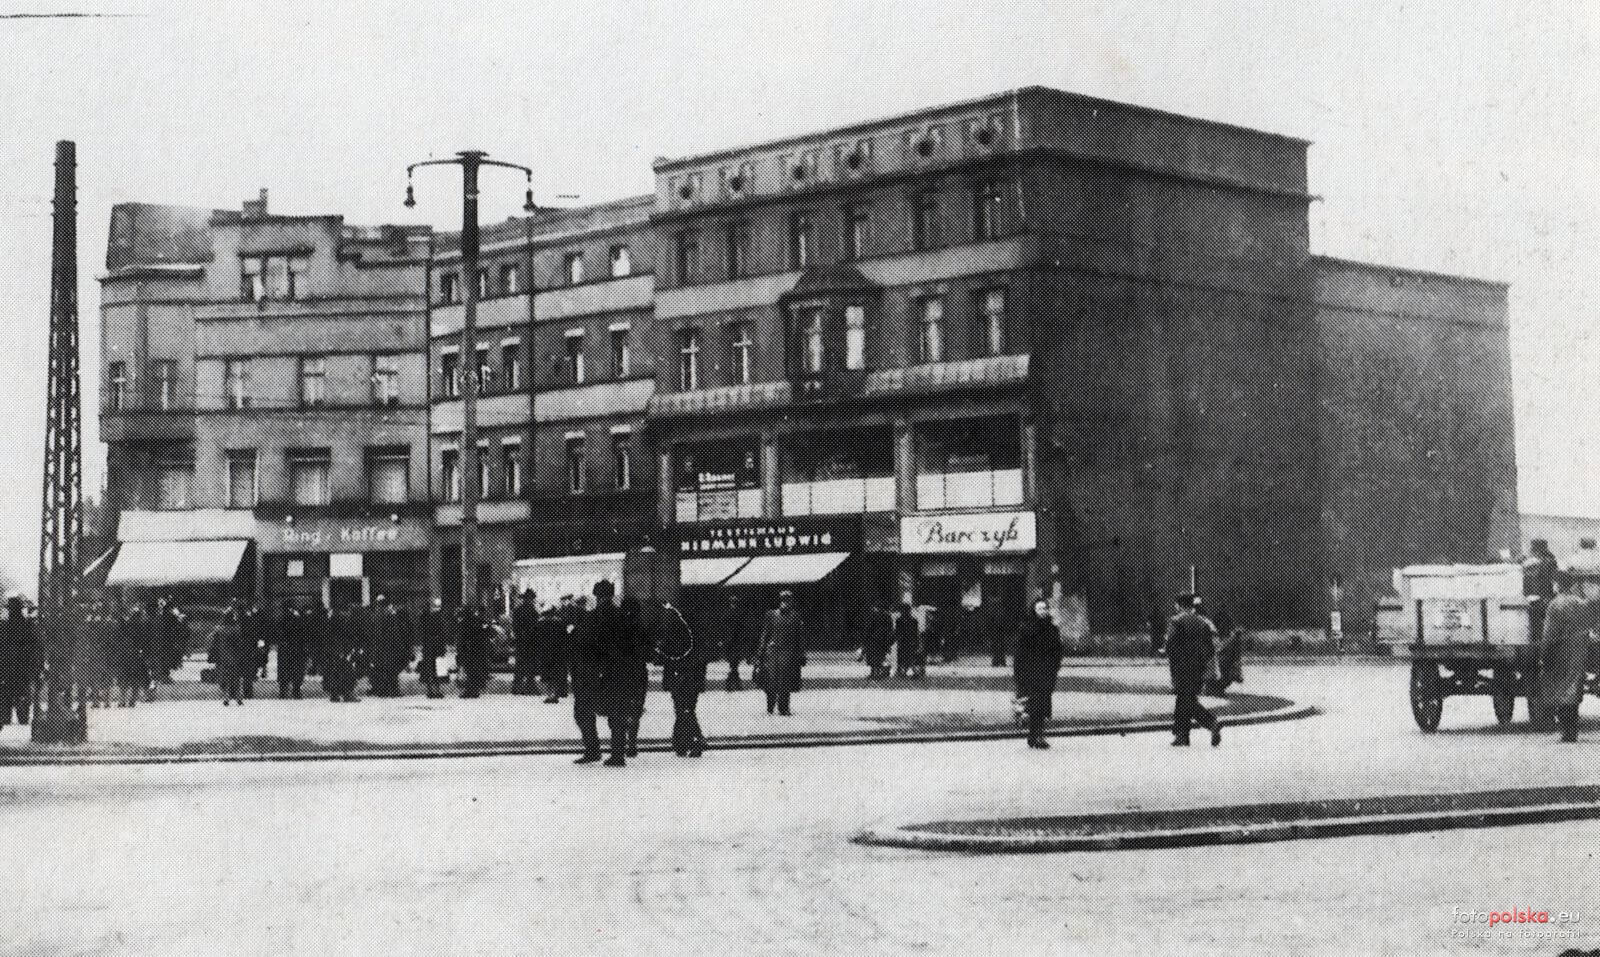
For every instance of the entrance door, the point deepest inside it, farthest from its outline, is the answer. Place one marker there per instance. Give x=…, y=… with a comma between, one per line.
x=344, y=593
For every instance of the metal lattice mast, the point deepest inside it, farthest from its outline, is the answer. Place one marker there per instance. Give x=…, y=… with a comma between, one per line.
x=60, y=558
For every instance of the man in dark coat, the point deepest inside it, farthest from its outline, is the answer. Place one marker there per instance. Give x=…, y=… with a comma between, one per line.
x=172, y=640
x=1036, y=664
x=234, y=652
x=1539, y=573
x=132, y=657
x=782, y=655
x=291, y=650
x=554, y=648
x=431, y=634
x=341, y=657
x=683, y=658
x=596, y=663
x=1191, y=643
x=877, y=636
x=907, y=642
x=1563, y=652
x=472, y=651
x=995, y=624
x=524, y=642
x=19, y=663
x=734, y=631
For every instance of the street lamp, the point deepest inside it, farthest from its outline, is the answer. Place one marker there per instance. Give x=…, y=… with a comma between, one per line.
x=469, y=161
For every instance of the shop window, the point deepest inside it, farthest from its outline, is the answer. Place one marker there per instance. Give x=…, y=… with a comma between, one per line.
x=386, y=380
x=718, y=482
x=839, y=473
x=389, y=476
x=450, y=475
x=242, y=488
x=177, y=483
x=117, y=390
x=313, y=381
x=969, y=464
x=308, y=474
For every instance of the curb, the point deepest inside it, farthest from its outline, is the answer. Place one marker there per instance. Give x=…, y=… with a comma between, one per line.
x=1240, y=834
x=1287, y=712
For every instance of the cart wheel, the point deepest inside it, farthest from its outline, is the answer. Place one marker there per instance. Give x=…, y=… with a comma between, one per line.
x=1427, y=696
x=1504, y=694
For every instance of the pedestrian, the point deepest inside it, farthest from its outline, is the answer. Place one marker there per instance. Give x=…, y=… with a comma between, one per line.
x=472, y=650
x=907, y=643
x=1190, y=647
x=1539, y=572
x=133, y=644
x=593, y=680
x=553, y=644
x=632, y=671
x=878, y=635
x=253, y=632
x=782, y=654
x=392, y=643
x=291, y=633
x=341, y=657
x=19, y=663
x=93, y=659
x=430, y=664
x=1035, y=666
x=994, y=623
x=1228, y=667
x=734, y=630
x=232, y=653
x=683, y=657
x=524, y=639
x=1563, y=649
x=172, y=639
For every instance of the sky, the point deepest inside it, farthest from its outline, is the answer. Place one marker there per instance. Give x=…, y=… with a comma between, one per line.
x=1456, y=136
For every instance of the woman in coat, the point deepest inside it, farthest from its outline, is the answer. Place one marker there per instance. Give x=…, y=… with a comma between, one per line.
x=1563, y=653
x=683, y=658
x=1034, y=668
x=782, y=654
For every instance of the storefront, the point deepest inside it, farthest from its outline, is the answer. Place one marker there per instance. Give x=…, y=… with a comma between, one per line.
x=731, y=573
x=970, y=560
x=339, y=561
x=197, y=557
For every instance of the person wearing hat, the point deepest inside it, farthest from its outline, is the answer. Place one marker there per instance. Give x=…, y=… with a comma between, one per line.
x=1035, y=666
x=1562, y=647
x=782, y=655
x=1190, y=645
x=597, y=686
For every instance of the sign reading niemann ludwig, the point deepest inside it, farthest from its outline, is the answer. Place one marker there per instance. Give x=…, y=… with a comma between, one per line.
x=330, y=534
x=980, y=533
x=784, y=536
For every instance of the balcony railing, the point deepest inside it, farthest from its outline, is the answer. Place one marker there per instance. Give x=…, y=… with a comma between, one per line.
x=988, y=489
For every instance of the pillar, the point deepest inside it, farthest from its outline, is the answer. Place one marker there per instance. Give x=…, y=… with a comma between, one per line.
x=771, y=481
x=667, y=500
x=905, y=467
x=1030, y=462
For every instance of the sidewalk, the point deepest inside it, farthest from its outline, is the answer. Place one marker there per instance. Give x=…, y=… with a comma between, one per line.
x=837, y=706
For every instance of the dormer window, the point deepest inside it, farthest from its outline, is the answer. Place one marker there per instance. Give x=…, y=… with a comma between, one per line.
x=278, y=277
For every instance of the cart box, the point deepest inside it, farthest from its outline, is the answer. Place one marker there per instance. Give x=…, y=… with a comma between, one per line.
x=1455, y=605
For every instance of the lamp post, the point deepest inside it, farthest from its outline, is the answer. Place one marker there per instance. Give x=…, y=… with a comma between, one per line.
x=471, y=376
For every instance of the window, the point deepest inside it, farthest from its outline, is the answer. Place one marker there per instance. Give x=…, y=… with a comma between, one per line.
x=717, y=482
x=577, y=469
x=450, y=475
x=485, y=371
x=450, y=374
x=931, y=330
x=308, y=473
x=813, y=352
x=738, y=249
x=510, y=279
x=313, y=381
x=621, y=354
x=511, y=467
x=688, y=257
x=386, y=380
x=236, y=383
x=483, y=470
x=621, y=262
x=117, y=394
x=272, y=277
x=241, y=478
x=388, y=476
x=483, y=284
x=855, y=337
x=802, y=240
x=622, y=460
x=450, y=287
x=986, y=211
x=925, y=224
x=166, y=384
x=510, y=365
x=974, y=463
x=572, y=268
x=992, y=303
x=575, y=368
x=855, y=231
x=177, y=483
x=741, y=347
x=688, y=359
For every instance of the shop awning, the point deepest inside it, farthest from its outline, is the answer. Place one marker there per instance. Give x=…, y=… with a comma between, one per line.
x=699, y=572
x=152, y=564
x=788, y=569
x=552, y=579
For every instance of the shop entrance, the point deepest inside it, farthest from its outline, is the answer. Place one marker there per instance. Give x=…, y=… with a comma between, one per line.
x=345, y=593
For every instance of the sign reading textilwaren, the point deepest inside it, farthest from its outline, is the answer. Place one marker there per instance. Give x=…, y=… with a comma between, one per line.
x=973, y=533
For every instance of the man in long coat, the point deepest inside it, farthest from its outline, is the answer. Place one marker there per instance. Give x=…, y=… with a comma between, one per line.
x=599, y=678
x=1191, y=643
x=1563, y=652
x=877, y=636
x=291, y=650
x=524, y=640
x=782, y=654
x=683, y=656
x=1035, y=666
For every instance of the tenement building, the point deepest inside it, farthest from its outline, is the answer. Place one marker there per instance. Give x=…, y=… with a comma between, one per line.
x=264, y=403
x=1031, y=345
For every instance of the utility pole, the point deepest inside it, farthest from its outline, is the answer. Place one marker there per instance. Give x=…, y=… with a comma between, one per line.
x=61, y=527
x=471, y=372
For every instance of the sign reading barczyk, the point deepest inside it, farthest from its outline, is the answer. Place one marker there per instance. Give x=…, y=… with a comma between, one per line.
x=979, y=533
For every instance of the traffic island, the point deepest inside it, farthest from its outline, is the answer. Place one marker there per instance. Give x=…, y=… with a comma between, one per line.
x=1246, y=824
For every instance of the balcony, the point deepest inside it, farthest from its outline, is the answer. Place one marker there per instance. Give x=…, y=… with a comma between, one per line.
x=147, y=422
x=988, y=372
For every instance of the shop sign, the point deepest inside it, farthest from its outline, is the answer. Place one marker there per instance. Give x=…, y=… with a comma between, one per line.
x=342, y=535
x=774, y=537
x=973, y=533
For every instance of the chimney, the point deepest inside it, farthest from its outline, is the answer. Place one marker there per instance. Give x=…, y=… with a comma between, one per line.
x=256, y=209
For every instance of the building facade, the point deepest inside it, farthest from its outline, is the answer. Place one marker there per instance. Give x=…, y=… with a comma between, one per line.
x=1035, y=344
